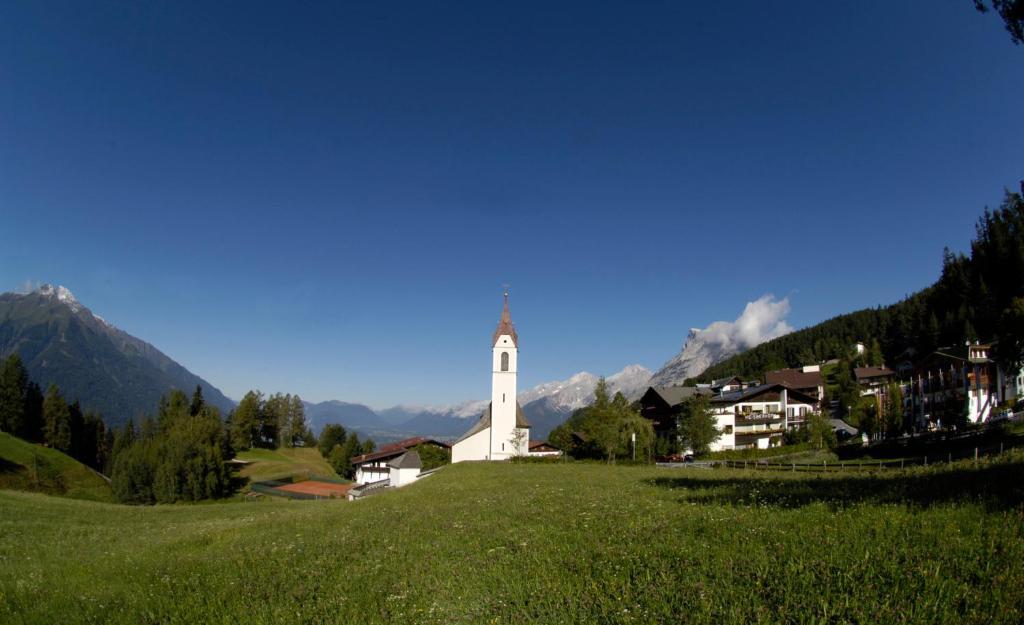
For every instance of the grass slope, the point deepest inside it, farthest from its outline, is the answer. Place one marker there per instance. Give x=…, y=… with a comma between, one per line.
x=540, y=543
x=24, y=466
x=274, y=463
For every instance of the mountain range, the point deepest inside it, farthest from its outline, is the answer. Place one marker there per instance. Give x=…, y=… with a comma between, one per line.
x=63, y=342
x=108, y=370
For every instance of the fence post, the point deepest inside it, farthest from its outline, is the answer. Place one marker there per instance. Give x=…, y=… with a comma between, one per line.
x=1000, y=449
x=901, y=463
x=926, y=461
x=794, y=467
x=949, y=458
x=975, y=455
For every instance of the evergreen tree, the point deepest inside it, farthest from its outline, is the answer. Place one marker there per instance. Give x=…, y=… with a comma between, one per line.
x=697, y=426
x=13, y=396
x=56, y=419
x=246, y=421
x=33, y=413
x=332, y=434
x=197, y=401
x=875, y=358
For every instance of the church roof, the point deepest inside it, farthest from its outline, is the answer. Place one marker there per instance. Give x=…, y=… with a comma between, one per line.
x=485, y=422
x=505, y=325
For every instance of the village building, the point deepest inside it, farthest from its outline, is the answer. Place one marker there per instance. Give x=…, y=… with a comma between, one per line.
x=757, y=417
x=544, y=449
x=806, y=380
x=873, y=380
x=662, y=406
x=751, y=416
x=376, y=466
x=503, y=431
x=965, y=382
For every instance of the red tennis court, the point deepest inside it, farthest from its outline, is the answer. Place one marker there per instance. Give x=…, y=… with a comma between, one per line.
x=320, y=489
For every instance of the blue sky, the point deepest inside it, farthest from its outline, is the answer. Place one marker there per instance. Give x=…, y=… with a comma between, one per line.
x=325, y=198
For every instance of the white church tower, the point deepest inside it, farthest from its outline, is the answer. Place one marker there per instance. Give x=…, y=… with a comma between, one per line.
x=502, y=431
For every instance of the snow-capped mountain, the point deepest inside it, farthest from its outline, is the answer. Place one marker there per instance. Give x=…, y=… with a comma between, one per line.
x=761, y=320
x=546, y=405
x=62, y=342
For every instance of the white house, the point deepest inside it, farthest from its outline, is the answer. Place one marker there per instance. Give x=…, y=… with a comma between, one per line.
x=405, y=469
x=758, y=416
x=502, y=431
x=376, y=466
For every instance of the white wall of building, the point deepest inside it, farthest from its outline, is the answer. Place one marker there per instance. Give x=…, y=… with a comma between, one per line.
x=403, y=477
x=476, y=447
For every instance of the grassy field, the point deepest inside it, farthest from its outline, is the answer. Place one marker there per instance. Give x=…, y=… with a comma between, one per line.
x=24, y=466
x=273, y=463
x=540, y=543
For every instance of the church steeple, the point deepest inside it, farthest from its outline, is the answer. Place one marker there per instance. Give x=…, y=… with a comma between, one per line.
x=505, y=326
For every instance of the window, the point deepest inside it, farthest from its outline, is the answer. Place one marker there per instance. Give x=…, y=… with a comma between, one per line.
x=504, y=361
x=728, y=430
x=503, y=398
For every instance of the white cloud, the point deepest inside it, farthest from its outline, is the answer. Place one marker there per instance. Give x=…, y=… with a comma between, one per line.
x=762, y=320
x=27, y=287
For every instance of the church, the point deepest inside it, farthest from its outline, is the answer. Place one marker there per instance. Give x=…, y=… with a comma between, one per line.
x=502, y=431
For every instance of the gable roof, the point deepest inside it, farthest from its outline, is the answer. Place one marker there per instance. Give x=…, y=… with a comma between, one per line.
x=408, y=460
x=485, y=422
x=675, y=395
x=749, y=394
x=797, y=378
x=870, y=373
x=397, y=449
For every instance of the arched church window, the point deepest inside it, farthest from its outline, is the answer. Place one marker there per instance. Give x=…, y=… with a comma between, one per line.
x=504, y=361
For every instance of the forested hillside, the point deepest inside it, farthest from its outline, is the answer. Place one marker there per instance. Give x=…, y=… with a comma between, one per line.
x=978, y=296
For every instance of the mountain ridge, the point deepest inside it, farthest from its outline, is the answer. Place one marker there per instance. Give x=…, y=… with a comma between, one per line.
x=108, y=370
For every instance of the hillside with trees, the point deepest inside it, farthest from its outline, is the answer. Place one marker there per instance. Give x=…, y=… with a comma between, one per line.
x=978, y=296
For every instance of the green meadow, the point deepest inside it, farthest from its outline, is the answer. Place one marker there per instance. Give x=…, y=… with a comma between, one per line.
x=540, y=543
x=264, y=464
x=30, y=467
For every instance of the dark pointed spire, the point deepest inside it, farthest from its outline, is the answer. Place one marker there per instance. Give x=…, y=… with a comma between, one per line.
x=505, y=325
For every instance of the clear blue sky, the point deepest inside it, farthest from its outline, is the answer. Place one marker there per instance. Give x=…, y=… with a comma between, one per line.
x=325, y=198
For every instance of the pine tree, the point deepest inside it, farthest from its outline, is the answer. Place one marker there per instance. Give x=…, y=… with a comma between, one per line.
x=56, y=419
x=332, y=434
x=246, y=421
x=33, y=413
x=13, y=396
x=697, y=426
x=197, y=401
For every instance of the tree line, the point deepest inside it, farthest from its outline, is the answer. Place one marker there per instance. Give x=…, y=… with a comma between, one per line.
x=338, y=447
x=978, y=296
x=269, y=423
x=49, y=419
x=607, y=426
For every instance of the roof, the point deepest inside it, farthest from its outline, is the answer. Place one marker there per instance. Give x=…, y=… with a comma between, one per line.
x=749, y=393
x=485, y=422
x=505, y=326
x=397, y=449
x=843, y=426
x=868, y=373
x=797, y=378
x=720, y=382
x=675, y=395
x=535, y=444
x=408, y=460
